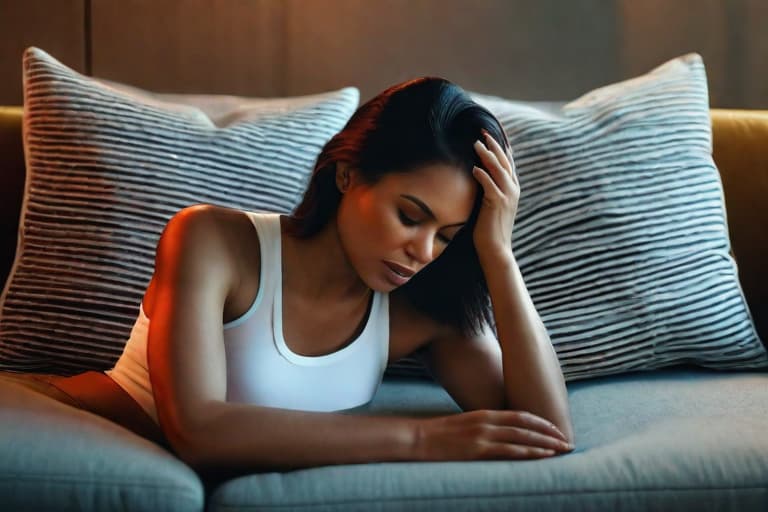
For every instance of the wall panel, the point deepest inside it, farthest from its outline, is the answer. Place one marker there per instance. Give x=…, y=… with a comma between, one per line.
x=752, y=23
x=546, y=49
x=190, y=46
x=55, y=26
x=525, y=49
x=654, y=31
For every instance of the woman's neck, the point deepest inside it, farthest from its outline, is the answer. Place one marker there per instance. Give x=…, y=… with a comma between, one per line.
x=317, y=267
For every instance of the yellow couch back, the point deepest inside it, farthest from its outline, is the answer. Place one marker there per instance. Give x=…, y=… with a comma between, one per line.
x=740, y=147
x=740, y=150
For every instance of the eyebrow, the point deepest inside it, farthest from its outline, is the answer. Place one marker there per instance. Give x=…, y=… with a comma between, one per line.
x=426, y=209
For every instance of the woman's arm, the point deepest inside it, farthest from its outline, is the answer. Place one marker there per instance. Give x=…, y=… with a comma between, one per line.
x=194, y=275
x=253, y=438
x=533, y=379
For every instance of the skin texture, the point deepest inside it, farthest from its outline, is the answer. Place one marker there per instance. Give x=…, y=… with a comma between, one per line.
x=511, y=388
x=340, y=266
x=377, y=223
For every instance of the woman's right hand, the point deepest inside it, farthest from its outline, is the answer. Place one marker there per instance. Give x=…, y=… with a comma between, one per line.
x=488, y=434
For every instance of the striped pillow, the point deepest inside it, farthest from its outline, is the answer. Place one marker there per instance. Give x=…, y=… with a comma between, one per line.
x=621, y=233
x=106, y=169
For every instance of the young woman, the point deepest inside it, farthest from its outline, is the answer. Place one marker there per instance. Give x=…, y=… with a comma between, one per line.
x=257, y=326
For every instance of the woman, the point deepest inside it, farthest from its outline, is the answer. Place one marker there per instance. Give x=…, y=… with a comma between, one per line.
x=255, y=326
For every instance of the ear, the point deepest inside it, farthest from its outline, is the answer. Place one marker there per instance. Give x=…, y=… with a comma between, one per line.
x=343, y=176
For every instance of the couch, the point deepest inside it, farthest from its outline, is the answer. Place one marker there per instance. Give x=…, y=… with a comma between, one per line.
x=678, y=438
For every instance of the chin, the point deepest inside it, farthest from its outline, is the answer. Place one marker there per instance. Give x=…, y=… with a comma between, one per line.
x=373, y=281
x=377, y=282
x=380, y=285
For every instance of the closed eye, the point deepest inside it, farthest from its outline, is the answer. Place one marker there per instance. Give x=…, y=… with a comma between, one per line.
x=407, y=221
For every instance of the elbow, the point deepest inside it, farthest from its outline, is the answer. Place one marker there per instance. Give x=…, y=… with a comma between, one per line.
x=188, y=450
x=192, y=451
x=187, y=436
x=207, y=453
x=189, y=447
x=210, y=458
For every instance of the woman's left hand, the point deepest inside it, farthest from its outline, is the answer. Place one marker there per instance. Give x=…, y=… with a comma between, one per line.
x=493, y=231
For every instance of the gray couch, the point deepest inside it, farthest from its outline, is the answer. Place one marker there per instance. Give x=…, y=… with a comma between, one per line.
x=682, y=438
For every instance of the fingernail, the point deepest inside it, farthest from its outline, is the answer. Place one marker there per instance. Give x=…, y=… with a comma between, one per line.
x=554, y=428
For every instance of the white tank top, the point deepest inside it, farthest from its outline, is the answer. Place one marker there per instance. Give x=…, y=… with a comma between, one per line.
x=261, y=369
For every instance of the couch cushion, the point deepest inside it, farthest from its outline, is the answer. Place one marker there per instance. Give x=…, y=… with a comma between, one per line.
x=621, y=233
x=673, y=439
x=57, y=457
x=106, y=169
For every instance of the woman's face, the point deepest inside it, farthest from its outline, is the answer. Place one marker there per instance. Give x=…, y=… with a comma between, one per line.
x=403, y=222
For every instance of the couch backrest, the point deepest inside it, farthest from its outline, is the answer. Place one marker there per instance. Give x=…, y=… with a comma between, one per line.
x=740, y=150
x=740, y=139
x=11, y=184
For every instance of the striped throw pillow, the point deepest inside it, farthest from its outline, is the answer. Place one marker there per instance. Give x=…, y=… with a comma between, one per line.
x=621, y=232
x=106, y=169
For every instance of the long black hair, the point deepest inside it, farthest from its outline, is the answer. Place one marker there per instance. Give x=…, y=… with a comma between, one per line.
x=427, y=120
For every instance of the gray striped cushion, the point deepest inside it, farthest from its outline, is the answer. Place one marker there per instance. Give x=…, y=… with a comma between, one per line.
x=106, y=169
x=621, y=234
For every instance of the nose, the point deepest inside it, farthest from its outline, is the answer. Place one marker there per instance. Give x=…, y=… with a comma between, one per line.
x=421, y=247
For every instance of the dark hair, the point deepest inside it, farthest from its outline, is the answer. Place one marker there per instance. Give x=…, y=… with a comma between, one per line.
x=424, y=121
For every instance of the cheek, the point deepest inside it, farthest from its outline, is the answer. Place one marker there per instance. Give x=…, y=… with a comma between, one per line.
x=363, y=228
x=378, y=227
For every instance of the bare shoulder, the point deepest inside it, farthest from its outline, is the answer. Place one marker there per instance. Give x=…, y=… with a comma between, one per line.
x=409, y=329
x=208, y=236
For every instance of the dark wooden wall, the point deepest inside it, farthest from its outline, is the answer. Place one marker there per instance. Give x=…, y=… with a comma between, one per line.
x=524, y=49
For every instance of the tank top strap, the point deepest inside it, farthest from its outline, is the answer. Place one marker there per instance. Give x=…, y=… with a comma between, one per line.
x=268, y=228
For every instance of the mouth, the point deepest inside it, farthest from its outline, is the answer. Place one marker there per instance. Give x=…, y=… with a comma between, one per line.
x=397, y=274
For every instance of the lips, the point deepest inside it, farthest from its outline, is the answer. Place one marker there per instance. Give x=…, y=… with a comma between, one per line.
x=398, y=274
x=399, y=269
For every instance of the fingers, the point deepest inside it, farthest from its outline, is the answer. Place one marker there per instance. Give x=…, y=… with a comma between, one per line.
x=493, y=167
x=504, y=158
x=499, y=170
x=522, y=419
x=526, y=437
x=497, y=150
x=521, y=434
x=529, y=420
x=487, y=434
x=490, y=188
x=513, y=164
x=513, y=451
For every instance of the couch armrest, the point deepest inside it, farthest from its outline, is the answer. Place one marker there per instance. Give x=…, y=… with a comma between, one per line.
x=740, y=150
x=11, y=184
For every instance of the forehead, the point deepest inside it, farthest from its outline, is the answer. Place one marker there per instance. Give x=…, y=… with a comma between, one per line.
x=447, y=190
